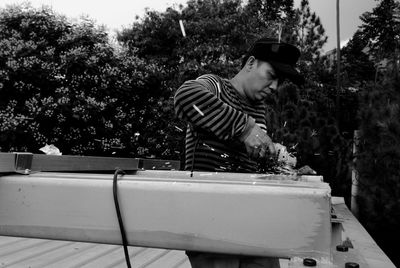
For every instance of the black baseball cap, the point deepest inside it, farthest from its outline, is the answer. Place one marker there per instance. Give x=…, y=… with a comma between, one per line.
x=282, y=56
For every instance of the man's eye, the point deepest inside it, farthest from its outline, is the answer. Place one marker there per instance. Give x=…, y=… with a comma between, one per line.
x=273, y=76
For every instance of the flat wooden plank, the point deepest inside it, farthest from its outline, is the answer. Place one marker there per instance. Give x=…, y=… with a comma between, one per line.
x=259, y=217
x=74, y=163
x=365, y=251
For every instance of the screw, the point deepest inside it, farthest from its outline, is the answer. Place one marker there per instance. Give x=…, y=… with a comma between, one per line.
x=309, y=262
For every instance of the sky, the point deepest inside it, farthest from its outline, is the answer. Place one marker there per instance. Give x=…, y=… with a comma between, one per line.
x=119, y=14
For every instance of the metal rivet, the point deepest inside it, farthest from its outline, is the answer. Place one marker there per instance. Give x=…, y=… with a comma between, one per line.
x=342, y=248
x=351, y=265
x=309, y=262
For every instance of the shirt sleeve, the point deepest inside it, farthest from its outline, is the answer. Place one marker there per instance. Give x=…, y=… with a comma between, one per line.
x=197, y=102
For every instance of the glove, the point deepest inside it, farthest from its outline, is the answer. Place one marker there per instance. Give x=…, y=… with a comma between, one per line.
x=258, y=143
x=306, y=170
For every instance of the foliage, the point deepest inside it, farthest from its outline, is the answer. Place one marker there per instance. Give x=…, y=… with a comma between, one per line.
x=270, y=11
x=63, y=83
x=378, y=163
x=217, y=35
x=358, y=68
x=309, y=33
x=373, y=49
x=218, y=32
x=381, y=28
x=272, y=18
x=304, y=121
x=378, y=158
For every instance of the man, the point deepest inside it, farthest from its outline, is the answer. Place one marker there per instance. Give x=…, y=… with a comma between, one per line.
x=227, y=125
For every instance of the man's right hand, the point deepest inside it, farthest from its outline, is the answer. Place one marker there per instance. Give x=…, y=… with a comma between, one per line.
x=258, y=143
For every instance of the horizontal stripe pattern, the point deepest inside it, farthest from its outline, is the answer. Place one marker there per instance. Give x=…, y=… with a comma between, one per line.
x=216, y=116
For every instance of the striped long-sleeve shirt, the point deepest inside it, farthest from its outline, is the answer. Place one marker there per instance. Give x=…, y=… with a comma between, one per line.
x=217, y=117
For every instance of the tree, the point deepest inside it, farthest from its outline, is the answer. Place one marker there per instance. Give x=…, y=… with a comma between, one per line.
x=273, y=18
x=217, y=35
x=270, y=11
x=358, y=69
x=380, y=28
x=309, y=34
x=63, y=83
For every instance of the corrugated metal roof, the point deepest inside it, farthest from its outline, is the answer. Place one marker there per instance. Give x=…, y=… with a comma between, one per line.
x=40, y=253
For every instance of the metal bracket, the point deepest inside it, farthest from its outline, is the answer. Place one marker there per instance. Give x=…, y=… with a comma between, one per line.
x=23, y=163
x=20, y=162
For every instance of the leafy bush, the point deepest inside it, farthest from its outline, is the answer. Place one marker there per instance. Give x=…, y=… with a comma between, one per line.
x=64, y=83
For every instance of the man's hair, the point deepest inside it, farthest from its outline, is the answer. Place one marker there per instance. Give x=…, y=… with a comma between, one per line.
x=244, y=60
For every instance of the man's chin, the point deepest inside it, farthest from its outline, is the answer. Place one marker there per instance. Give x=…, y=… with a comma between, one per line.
x=264, y=95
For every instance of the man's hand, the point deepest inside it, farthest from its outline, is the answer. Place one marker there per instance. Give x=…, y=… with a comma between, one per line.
x=258, y=143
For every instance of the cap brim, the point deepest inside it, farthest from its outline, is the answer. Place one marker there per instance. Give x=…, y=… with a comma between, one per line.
x=288, y=71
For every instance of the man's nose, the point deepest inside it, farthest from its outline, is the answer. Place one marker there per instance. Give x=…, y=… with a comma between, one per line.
x=274, y=84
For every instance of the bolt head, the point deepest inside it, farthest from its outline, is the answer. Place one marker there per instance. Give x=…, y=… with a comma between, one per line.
x=309, y=262
x=342, y=248
x=352, y=265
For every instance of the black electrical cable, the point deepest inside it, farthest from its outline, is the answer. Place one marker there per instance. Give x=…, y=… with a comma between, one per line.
x=121, y=223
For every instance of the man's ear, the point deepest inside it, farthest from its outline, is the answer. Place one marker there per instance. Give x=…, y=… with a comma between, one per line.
x=250, y=62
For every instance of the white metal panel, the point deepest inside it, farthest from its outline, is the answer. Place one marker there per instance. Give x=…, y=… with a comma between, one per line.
x=245, y=216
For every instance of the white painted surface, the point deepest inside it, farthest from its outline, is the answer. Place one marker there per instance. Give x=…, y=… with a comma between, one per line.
x=253, y=217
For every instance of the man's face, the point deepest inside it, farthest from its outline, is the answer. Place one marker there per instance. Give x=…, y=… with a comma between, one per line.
x=262, y=81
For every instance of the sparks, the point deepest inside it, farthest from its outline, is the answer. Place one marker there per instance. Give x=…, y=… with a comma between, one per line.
x=179, y=129
x=182, y=28
x=294, y=146
x=313, y=133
